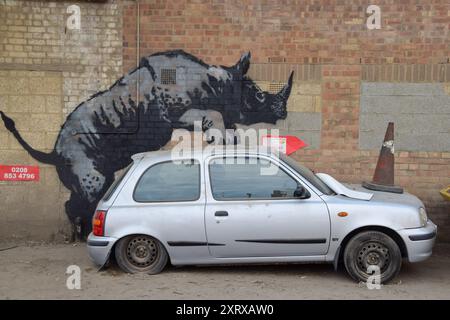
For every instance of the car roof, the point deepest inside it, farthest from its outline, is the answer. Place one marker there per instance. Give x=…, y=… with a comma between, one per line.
x=206, y=151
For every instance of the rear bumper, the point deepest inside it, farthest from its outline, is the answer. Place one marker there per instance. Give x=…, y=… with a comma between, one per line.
x=99, y=248
x=419, y=241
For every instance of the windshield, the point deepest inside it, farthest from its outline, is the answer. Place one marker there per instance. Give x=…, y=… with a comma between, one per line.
x=119, y=176
x=308, y=175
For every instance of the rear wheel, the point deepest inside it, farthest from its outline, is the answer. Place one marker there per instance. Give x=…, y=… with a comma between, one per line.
x=141, y=254
x=372, y=251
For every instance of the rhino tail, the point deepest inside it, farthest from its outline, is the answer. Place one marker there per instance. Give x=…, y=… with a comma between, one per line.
x=49, y=158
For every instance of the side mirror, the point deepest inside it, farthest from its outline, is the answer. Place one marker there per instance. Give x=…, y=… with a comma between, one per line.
x=301, y=192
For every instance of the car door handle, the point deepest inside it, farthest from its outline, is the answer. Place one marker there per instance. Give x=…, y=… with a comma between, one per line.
x=221, y=214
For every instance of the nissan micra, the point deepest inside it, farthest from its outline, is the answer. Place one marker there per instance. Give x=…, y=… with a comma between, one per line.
x=241, y=206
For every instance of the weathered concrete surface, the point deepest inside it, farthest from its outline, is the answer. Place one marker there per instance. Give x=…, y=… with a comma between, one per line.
x=304, y=125
x=38, y=272
x=46, y=70
x=421, y=112
x=32, y=209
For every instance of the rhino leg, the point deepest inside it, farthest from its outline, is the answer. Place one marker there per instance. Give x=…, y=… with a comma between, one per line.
x=88, y=185
x=208, y=121
x=79, y=211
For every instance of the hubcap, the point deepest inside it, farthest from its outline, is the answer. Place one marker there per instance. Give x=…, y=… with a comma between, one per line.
x=142, y=251
x=373, y=254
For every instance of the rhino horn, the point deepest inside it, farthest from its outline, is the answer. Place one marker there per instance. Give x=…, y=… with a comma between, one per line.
x=286, y=90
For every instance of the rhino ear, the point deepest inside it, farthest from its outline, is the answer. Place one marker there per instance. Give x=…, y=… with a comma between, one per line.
x=145, y=64
x=244, y=63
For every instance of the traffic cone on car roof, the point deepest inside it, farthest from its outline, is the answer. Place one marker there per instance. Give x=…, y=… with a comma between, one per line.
x=383, y=178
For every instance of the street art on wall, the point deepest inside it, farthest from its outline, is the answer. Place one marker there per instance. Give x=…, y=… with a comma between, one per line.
x=168, y=91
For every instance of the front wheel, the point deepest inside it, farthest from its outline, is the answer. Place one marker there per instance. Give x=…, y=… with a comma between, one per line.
x=141, y=254
x=370, y=253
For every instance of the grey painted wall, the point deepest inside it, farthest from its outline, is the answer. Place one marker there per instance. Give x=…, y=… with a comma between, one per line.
x=304, y=125
x=421, y=112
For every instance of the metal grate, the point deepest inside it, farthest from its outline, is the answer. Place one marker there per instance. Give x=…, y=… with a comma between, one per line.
x=168, y=76
x=275, y=87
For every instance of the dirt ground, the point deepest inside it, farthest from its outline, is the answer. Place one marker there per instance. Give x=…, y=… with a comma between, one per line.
x=38, y=271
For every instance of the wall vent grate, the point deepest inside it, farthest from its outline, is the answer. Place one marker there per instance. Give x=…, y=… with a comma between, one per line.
x=169, y=76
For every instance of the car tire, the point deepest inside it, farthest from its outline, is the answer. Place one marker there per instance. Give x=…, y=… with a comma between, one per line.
x=141, y=254
x=372, y=248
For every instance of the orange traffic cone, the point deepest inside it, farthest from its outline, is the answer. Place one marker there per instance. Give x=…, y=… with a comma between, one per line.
x=383, y=178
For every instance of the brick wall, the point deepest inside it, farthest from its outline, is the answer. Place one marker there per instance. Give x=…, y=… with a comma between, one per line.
x=330, y=36
x=46, y=70
x=306, y=32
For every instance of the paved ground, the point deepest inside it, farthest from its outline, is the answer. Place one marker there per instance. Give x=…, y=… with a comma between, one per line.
x=38, y=272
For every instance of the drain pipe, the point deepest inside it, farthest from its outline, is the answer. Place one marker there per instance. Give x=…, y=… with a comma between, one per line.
x=138, y=47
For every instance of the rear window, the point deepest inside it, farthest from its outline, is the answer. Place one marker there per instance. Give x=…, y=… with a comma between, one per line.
x=116, y=182
x=169, y=181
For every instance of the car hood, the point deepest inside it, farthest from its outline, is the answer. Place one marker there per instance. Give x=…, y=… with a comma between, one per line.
x=389, y=197
x=356, y=191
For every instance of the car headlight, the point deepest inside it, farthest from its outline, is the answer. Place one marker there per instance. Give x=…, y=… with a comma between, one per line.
x=423, y=217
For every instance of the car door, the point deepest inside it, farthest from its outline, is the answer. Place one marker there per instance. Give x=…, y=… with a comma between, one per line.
x=167, y=202
x=251, y=212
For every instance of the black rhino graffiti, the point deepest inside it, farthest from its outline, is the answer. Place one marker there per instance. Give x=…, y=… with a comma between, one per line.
x=139, y=113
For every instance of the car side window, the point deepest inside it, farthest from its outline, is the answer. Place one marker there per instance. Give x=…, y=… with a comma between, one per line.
x=169, y=181
x=245, y=178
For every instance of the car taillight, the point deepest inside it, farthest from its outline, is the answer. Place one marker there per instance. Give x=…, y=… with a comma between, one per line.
x=98, y=223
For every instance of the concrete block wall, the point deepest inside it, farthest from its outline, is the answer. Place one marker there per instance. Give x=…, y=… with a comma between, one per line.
x=34, y=99
x=421, y=112
x=46, y=70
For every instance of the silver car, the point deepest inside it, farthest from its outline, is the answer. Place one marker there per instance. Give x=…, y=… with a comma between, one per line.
x=241, y=206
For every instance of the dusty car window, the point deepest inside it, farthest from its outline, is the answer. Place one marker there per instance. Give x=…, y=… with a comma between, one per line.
x=169, y=181
x=243, y=179
x=119, y=177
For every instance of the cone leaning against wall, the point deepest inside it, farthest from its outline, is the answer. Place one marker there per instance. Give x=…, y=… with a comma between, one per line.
x=383, y=178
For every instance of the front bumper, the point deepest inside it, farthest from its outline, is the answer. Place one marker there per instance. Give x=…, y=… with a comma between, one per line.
x=99, y=248
x=419, y=241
